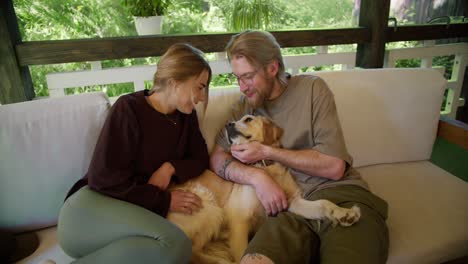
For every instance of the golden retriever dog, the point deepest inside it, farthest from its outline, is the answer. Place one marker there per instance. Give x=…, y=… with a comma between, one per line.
x=220, y=230
x=208, y=228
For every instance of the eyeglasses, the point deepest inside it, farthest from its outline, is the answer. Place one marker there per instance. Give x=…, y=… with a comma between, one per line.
x=246, y=78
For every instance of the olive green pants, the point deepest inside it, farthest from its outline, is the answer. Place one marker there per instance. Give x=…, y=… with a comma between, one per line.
x=289, y=238
x=94, y=228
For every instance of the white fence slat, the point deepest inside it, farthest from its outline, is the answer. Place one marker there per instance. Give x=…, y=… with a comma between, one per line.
x=139, y=85
x=322, y=49
x=220, y=66
x=455, y=86
x=96, y=65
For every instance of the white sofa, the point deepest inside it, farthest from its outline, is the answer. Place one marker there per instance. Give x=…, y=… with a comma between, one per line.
x=389, y=118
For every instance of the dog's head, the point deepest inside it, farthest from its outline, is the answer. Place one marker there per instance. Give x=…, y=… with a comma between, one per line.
x=253, y=128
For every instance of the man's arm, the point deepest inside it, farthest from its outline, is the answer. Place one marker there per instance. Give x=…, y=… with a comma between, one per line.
x=270, y=194
x=309, y=161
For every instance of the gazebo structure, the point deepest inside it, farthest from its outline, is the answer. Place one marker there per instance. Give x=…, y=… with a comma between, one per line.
x=375, y=29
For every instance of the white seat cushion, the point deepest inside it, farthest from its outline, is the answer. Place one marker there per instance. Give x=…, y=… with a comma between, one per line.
x=48, y=249
x=428, y=211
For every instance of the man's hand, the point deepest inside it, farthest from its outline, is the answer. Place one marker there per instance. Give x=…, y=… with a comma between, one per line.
x=270, y=194
x=184, y=202
x=162, y=176
x=250, y=152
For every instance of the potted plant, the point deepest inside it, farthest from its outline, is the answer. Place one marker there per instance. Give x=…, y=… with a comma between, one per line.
x=147, y=14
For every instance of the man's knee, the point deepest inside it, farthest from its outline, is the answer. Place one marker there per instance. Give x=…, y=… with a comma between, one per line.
x=353, y=244
x=286, y=238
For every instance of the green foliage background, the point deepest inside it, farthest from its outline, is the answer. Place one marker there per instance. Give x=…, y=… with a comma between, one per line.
x=75, y=19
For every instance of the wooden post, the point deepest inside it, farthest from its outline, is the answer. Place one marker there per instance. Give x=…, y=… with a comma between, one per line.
x=15, y=81
x=373, y=14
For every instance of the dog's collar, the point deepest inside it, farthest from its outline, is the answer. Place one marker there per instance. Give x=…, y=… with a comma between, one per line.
x=263, y=163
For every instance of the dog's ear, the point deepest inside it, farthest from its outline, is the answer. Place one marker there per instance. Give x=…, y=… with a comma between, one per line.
x=271, y=133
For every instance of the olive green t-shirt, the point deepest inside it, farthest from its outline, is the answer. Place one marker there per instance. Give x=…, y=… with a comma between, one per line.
x=306, y=111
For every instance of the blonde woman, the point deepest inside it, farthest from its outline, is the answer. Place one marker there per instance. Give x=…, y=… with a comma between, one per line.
x=116, y=212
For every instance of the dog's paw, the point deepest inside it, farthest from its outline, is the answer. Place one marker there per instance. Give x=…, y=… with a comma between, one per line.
x=344, y=216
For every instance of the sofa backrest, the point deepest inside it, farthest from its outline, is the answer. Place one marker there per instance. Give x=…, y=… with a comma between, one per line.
x=45, y=146
x=217, y=113
x=387, y=115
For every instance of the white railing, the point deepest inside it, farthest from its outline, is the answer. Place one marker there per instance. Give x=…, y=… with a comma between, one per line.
x=426, y=53
x=58, y=82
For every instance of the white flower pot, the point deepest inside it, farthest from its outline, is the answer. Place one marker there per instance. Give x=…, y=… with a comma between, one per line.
x=148, y=25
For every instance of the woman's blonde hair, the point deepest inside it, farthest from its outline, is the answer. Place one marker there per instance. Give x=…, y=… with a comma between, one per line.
x=180, y=63
x=259, y=48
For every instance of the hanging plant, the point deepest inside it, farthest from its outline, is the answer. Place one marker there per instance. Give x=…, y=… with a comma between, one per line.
x=251, y=14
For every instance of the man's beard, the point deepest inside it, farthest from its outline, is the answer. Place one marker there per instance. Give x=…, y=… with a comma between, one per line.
x=261, y=95
x=257, y=100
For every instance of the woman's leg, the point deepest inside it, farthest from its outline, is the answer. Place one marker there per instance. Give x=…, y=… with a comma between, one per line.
x=94, y=228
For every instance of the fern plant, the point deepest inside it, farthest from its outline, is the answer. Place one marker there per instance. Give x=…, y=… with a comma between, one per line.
x=146, y=8
x=251, y=14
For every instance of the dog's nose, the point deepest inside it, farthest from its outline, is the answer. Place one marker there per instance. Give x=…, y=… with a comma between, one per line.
x=231, y=130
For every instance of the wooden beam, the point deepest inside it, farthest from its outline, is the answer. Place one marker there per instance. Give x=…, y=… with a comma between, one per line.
x=373, y=14
x=63, y=51
x=453, y=131
x=370, y=48
x=423, y=32
x=15, y=84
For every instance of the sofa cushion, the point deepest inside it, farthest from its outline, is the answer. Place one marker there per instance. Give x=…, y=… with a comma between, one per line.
x=45, y=146
x=387, y=115
x=393, y=121
x=217, y=113
x=48, y=249
x=427, y=211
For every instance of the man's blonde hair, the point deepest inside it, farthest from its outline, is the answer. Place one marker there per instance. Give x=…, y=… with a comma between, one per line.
x=180, y=62
x=259, y=48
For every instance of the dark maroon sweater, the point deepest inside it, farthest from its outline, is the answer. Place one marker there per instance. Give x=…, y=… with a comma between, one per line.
x=134, y=142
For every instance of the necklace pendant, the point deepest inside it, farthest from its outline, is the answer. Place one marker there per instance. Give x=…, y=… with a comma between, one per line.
x=174, y=122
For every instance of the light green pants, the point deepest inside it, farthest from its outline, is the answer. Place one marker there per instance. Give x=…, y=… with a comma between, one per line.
x=94, y=228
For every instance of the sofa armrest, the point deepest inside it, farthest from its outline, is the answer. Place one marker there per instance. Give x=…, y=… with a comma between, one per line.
x=453, y=131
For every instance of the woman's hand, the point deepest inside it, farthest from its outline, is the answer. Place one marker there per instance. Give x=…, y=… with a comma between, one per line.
x=162, y=176
x=184, y=202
